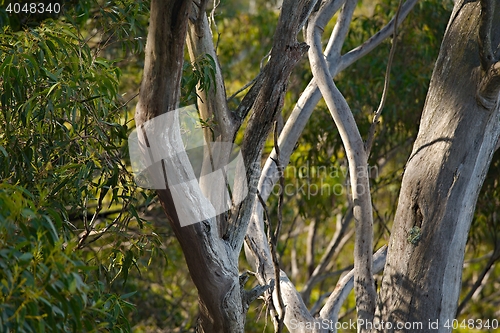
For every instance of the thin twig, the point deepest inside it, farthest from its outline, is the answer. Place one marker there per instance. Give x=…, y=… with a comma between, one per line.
x=494, y=257
x=212, y=21
x=276, y=264
x=280, y=220
x=282, y=184
x=371, y=134
x=243, y=88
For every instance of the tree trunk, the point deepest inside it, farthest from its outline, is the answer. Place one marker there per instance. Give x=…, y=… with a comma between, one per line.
x=210, y=261
x=459, y=130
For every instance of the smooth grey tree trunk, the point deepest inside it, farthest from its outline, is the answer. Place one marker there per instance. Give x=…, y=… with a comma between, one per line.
x=459, y=129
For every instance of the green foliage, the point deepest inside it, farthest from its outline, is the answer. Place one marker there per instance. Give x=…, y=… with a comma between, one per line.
x=198, y=75
x=63, y=142
x=72, y=231
x=43, y=282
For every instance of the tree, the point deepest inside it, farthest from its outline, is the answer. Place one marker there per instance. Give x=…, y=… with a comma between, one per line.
x=445, y=171
x=439, y=191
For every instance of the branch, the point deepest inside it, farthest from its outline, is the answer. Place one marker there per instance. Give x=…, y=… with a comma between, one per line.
x=486, y=53
x=335, y=244
x=352, y=56
x=356, y=155
x=494, y=257
x=272, y=240
x=371, y=133
x=213, y=102
x=282, y=185
x=311, y=95
x=344, y=286
x=270, y=93
x=258, y=255
x=340, y=31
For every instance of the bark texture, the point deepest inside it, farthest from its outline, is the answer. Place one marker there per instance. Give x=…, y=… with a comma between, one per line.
x=364, y=285
x=211, y=248
x=458, y=133
x=210, y=262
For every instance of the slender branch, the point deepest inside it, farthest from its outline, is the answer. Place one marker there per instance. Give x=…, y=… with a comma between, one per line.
x=270, y=96
x=243, y=88
x=340, y=30
x=494, y=257
x=356, y=155
x=277, y=285
x=344, y=286
x=371, y=133
x=352, y=56
x=282, y=185
x=311, y=95
x=336, y=243
x=212, y=22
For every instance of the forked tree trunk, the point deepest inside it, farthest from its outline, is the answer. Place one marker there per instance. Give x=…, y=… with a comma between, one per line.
x=211, y=253
x=207, y=256
x=458, y=134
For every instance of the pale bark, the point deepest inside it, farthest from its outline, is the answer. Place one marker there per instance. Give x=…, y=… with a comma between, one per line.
x=213, y=102
x=297, y=121
x=207, y=256
x=459, y=129
x=210, y=248
x=296, y=309
x=332, y=307
x=337, y=242
x=364, y=285
x=266, y=98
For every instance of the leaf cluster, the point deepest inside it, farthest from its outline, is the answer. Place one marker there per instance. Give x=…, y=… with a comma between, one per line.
x=43, y=282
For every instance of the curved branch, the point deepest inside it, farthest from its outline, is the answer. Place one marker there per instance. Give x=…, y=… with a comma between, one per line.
x=311, y=95
x=350, y=57
x=378, y=113
x=363, y=283
x=332, y=307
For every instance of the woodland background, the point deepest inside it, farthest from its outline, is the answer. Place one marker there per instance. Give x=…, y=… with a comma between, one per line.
x=83, y=249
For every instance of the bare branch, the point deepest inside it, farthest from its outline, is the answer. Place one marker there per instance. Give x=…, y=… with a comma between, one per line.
x=259, y=256
x=282, y=185
x=243, y=88
x=495, y=256
x=356, y=155
x=340, y=30
x=344, y=286
x=280, y=311
x=371, y=133
x=270, y=93
x=335, y=244
x=350, y=57
x=311, y=95
x=486, y=53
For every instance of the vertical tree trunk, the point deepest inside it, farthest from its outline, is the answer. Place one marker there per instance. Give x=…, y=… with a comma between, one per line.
x=459, y=130
x=210, y=261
